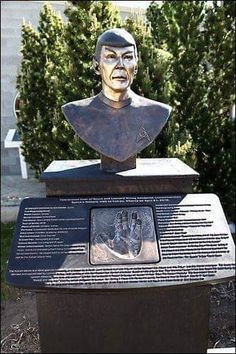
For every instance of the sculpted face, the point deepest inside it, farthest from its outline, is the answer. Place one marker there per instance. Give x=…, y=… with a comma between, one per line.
x=117, y=67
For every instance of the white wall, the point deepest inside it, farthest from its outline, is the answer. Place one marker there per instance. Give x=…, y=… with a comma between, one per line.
x=12, y=14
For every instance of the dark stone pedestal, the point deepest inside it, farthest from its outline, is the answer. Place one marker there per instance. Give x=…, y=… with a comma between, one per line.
x=151, y=320
x=86, y=178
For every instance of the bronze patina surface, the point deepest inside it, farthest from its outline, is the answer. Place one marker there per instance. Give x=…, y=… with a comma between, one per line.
x=113, y=132
x=117, y=122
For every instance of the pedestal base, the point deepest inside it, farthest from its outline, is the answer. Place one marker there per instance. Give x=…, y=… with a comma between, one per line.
x=154, y=320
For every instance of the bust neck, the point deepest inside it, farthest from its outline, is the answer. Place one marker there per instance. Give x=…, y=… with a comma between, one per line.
x=114, y=104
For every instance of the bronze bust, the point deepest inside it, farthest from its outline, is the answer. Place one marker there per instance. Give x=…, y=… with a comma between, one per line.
x=117, y=122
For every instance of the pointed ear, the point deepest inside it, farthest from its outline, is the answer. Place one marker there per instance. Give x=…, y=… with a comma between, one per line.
x=96, y=66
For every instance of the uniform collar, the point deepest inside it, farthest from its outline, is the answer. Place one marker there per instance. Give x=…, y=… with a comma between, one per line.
x=114, y=104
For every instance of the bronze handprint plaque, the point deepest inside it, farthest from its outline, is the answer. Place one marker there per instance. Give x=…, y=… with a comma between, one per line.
x=121, y=242
x=123, y=235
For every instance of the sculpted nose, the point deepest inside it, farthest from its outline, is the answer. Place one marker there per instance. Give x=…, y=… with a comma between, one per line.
x=119, y=63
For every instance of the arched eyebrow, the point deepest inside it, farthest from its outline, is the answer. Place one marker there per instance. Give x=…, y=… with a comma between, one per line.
x=127, y=52
x=110, y=50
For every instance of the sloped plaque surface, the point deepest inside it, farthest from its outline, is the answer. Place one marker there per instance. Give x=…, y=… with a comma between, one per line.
x=171, y=240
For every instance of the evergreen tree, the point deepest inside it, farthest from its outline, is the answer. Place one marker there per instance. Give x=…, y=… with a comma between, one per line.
x=57, y=68
x=152, y=79
x=200, y=38
x=40, y=51
x=216, y=160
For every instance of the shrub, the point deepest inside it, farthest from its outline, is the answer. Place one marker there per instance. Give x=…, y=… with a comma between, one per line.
x=201, y=41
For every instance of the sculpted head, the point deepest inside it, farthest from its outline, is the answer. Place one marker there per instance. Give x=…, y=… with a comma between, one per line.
x=116, y=61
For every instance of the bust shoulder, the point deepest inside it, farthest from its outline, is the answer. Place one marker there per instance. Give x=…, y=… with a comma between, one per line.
x=133, y=127
x=70, y=106
x=140, y=101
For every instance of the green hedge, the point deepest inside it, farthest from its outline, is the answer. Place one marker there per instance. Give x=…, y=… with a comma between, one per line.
x=201, y=40
x=186, y=56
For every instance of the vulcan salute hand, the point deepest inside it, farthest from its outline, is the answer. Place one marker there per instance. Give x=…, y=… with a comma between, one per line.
x=128, y=236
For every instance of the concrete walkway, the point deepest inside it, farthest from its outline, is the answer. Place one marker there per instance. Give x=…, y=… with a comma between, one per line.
x=13, y=190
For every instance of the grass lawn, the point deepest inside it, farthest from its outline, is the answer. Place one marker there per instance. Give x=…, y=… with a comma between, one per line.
x=7, y=232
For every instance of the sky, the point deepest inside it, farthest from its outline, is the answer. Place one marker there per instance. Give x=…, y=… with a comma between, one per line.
x=137, y=4
x=141, y=4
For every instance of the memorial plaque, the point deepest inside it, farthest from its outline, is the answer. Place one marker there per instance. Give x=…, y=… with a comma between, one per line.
x=166, y=240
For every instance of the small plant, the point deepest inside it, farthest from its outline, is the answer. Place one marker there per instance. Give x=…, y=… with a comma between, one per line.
x=7, y=231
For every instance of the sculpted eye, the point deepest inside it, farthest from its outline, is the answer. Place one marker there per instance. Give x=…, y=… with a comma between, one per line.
x=110, y=56
x=128, y=57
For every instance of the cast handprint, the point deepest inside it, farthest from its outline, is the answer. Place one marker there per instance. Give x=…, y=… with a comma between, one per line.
x=127, y=237
x=123, y=235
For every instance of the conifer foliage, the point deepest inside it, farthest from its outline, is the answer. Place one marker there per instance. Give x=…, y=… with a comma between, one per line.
x=200, y=38
x=186, y=59
x=40, y=52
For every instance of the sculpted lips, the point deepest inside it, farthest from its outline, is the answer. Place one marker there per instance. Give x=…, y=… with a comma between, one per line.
x=119, y=75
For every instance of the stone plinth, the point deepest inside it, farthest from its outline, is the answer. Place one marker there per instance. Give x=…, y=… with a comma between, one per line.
x=161, y=175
